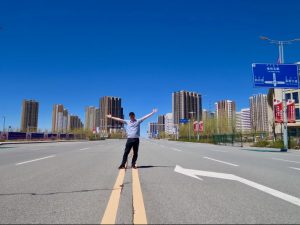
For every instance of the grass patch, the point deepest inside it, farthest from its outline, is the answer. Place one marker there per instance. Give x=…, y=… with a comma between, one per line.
x=269, y=144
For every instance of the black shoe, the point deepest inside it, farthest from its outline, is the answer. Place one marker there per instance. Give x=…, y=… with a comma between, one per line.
x=122, y=167
x=134, y=167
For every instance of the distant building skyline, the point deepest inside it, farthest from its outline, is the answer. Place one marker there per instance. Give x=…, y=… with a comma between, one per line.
x=61, y=118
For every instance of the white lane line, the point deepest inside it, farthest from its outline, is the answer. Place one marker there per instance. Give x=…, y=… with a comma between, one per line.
x=172, y=148
x=34, y=160
x=176, y=149
x=230, y=164
x=215, y=150
x=295, y=168
x=83, y=149
x=285, y=160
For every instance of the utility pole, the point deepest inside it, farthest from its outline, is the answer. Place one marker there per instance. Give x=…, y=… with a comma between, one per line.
x=281, y=45
x=198, y=124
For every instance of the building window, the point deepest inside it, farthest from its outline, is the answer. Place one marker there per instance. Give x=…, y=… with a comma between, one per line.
x=288, y=96
x=297, y=114
x=296, y=97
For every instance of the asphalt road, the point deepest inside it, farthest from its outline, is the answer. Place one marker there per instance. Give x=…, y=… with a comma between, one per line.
x=176, y=182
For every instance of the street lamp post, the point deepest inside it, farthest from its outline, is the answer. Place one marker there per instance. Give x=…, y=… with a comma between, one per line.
x=281, y=45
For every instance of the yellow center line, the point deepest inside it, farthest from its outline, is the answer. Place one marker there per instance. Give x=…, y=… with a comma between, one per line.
x=110, y=214
x=139, y=212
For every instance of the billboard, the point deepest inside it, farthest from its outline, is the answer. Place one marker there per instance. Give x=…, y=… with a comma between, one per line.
x=278, y=111
x=291, y=111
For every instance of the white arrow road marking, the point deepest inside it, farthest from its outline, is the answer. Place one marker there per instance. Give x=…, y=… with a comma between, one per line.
x=225, y=176
x=285, y=160
x=295, y=168
x=231, y=164
x=34, y=160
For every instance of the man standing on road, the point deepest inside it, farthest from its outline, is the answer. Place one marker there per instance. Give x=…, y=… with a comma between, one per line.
x=133, y=136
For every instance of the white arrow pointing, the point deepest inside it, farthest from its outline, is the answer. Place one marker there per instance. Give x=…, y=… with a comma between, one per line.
x=225, y=176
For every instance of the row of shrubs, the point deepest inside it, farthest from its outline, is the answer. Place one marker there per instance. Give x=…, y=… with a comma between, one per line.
x=262, y=143
x=276, y=144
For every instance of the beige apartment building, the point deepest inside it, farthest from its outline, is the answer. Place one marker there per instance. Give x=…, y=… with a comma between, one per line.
x=225, y=114
x=260, y=113
x=59, y=119
x=90, y=118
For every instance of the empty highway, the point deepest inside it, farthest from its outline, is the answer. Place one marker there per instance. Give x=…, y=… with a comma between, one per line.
x=176, y=182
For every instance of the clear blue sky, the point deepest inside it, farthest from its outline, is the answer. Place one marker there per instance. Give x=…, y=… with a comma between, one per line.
x=73, y=52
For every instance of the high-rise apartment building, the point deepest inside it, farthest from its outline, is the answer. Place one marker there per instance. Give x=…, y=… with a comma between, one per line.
x=65, y=121
x=161, y=123
x=186, y=105
x=29, y=116
x=169, y=123
x=243, y=121
x=225, y=114
x=90, y=118
x=259, y=113
x=110, y=106
x=74, y=123
x=59, y=119
x=153, y=130
x=97, y=122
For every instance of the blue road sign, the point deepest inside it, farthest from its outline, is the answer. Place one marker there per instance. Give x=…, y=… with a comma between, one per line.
x=275, y=75
x=183, y=120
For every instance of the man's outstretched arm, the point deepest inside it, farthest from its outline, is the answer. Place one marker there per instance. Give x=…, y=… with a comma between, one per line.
x=149, y=115
x=115, y=118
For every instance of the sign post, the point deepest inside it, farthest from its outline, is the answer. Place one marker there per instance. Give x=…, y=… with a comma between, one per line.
x=281, y=76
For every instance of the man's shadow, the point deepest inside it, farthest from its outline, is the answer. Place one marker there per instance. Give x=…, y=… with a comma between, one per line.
x=150, y=166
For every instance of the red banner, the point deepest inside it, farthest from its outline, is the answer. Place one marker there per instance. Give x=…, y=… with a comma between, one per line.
x=291, y=111
x=198, y=126
x=278, y=111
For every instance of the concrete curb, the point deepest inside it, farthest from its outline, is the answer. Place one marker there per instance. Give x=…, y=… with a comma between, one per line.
x=37, y=142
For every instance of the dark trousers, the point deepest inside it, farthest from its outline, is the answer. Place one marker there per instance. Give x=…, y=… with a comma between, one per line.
x=131, y=143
